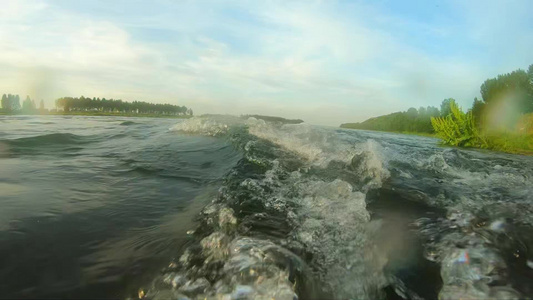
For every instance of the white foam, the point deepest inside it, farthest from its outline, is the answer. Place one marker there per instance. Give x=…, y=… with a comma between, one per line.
x=315, y=144
x=210, y=126
x=334, y=223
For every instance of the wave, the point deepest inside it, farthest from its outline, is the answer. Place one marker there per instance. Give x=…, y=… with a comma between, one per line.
x=42, y=123
x=209, y=126
x=49, y=139
x=128, y=123
x=165, y=173
x=483, y=244
x=64, y=144
x=283, y=220
x=291, y=219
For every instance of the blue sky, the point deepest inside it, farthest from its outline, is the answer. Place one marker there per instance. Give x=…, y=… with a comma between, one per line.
x=327, y=62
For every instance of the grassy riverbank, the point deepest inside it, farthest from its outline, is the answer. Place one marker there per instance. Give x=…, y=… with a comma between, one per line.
x=511, y=143
x=501, y=121
x=425, y=134
x=507, y=142
x=431, y=135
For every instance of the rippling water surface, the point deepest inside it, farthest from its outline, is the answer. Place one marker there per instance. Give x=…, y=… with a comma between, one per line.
x=91, y=206
x=235, y=208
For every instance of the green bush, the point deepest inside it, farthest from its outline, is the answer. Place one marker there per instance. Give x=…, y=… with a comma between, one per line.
x=458, y=128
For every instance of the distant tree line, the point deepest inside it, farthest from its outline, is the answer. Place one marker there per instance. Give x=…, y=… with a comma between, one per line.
x=505, y=100
x=10, y=102
x=412, y=120
x=11, y=105
x=110, y=105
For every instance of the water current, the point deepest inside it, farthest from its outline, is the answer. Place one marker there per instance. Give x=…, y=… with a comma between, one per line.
x=230, y=208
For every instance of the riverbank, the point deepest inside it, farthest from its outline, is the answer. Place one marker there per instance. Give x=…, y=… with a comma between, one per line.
x=505, y=142
x=511, y=143
x=425, y=134
x=102, y=114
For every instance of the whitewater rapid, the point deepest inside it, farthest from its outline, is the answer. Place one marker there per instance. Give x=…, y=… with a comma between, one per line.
x=292, y=219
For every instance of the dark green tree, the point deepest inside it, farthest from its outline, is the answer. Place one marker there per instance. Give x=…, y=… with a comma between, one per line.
x=28, y=105
x=412, y=112
x=412, y=120
x=515, y=86
x=111, y=105
x=16, y=103
x=445, y=107
x=433, y=111
x=5, y=103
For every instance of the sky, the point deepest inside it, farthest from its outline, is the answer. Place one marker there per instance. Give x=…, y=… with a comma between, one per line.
x=326, y=62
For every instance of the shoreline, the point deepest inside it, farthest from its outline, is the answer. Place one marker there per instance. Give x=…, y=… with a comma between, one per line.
x=424, y=134
x=100, y=114
x=502, y=145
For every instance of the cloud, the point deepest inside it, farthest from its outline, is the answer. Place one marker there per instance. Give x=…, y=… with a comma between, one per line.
x=78, y=54
x=326, y=62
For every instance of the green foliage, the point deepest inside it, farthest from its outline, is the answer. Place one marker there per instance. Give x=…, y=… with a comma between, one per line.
x=28, y=106
x=458, y=128
x=515, y=86
x=83, y=104
x=445, y=108
x=412, y=120
x=511, y=143
x=4, y=102
x=95, y=106
x=10, y=103
x=506, y=99
x=477, y=110
x=117, y=114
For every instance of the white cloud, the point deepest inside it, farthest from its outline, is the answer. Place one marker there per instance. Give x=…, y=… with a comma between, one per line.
x=324, y=62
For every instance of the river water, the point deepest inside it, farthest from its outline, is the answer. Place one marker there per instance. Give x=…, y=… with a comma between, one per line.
x=223, y=207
